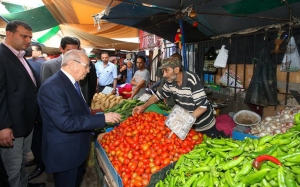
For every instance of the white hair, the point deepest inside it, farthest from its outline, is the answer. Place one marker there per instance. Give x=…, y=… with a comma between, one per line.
x=72, y=55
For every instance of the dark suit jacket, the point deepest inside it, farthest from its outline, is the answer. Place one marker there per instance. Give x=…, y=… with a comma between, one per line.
x=50, y=67
x=18, y=94
x=67, y=124
x=88, y=84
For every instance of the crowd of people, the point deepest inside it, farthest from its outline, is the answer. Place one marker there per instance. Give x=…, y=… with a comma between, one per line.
x=44, y=104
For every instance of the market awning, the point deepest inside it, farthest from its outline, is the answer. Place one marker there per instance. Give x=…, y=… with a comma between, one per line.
x=214, y=18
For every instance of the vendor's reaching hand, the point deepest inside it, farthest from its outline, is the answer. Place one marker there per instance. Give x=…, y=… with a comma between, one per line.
x=112, y=117
x=138, y=109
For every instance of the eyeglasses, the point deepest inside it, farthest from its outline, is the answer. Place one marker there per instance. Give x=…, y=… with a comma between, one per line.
x=83, y=64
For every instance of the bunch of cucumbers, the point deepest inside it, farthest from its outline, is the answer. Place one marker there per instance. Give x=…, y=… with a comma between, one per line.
x=125, y=108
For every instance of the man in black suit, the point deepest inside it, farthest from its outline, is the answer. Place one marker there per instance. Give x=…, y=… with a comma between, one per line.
x=18, y=102
x=50, y=67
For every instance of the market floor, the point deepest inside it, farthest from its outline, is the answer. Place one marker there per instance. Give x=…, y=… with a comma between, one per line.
x=91, y=178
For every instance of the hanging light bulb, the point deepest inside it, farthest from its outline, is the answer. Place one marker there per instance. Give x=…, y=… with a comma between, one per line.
x=193, y=13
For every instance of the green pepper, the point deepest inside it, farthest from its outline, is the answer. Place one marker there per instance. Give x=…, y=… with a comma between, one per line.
x=272, y=174
x=266, y=183
x=243, y=172
x=236, y=152
x=207, y=160
x=220, y=153
x=203, y=180
x=191, y=180
x=273, y=183
x=179, y=162
x=294, y=143
x=256, y=177
x=231, y=144
x=218, y=159
x=218, y=141
x=288, y=156
x=267, y=151
x=212, y=162
x=265, y=139
x=298, y=179
x=255, y=143
x=295, y=170
x=289, y=180
x=295, y=159
x=229, y=179
x=297, y=118
x=232, y=163
x=281, y=178
x=196, y=170
x=280, y=141
x=216, y=181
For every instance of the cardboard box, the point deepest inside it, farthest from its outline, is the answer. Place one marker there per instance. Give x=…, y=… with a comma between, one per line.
x=113, y=178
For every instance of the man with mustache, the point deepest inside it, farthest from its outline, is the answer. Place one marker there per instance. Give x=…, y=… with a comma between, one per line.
x=188, y=92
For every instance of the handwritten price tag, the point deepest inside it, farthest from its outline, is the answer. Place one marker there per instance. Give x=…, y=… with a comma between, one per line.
x=180, y=121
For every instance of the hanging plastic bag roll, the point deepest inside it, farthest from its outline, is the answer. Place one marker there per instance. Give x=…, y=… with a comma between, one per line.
x=222, y=57
x=291, y=59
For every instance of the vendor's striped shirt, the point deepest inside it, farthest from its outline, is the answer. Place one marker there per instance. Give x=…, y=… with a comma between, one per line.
x=190, y=95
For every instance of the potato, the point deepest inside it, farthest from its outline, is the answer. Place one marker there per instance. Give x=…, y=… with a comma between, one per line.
x=107, y=103
x=121, y=100
x=112, y=104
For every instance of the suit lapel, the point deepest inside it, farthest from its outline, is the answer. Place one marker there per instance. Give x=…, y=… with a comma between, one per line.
x=15, y=60
x=69, y=86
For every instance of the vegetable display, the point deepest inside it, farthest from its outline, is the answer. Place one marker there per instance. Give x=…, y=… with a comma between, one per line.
x=268, y=161
x=105, y=101
x=125, y=108
x=280, y=123
x=140, y=146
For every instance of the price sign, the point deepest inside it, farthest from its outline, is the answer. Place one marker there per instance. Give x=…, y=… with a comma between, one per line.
x=180, y=121
x=107, y=90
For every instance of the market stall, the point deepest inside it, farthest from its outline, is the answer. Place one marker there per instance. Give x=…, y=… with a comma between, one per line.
x=143, y=151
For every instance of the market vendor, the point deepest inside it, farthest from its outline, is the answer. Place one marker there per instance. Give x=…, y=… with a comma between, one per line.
x=188, y=92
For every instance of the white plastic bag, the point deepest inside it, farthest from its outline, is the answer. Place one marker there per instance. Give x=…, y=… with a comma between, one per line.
x=291, y=59
x=222, y=57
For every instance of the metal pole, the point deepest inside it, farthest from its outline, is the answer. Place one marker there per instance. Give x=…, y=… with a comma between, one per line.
x=183, y=44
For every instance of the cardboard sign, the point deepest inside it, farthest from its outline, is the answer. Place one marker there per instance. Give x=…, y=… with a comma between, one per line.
x=180, y=121
x=107, y=90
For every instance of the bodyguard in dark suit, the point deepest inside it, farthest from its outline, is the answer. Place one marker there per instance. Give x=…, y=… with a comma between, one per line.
x=50, y=67
x=67, y=121
x=18, y=101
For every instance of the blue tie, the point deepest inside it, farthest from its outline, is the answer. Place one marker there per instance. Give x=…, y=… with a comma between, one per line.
x=77, y=88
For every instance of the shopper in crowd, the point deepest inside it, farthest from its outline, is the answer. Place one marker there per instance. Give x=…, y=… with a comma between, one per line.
x=129, y=70
x=107, y=73
x=67, y=121
x=140, y=79
x=89, y=83
x=18, y=102
x=122, y=73
x=52, y=66
x=188, y=93
x=33, y=56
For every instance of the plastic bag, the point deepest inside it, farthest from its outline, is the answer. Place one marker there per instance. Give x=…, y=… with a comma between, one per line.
x=222, y=57
x=291, y=59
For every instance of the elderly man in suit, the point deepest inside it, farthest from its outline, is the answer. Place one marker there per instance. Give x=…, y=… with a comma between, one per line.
x=18, y=102
x=50, y=67
x=67, y=121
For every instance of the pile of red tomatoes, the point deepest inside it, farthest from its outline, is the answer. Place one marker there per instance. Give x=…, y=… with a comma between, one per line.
x=140, y=146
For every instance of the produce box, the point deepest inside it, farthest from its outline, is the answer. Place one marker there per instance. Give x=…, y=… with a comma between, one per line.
x=113, y=179
x=241, y=136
